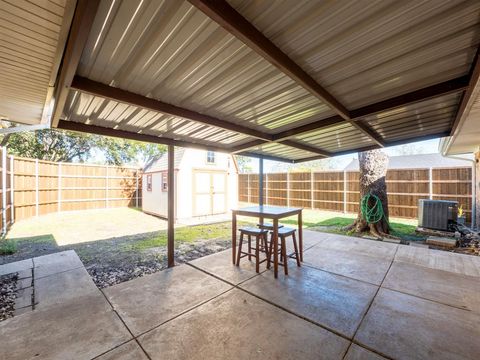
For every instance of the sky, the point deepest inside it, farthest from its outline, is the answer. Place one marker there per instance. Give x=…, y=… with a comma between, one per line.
x=339, y=162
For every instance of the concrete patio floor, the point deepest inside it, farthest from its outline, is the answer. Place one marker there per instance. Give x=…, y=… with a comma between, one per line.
x=351, y=299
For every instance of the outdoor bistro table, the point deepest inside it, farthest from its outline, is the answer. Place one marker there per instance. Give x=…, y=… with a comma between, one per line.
x=268, y=212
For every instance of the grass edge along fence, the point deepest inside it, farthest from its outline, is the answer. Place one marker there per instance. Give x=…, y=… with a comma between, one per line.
x=32, y=187
x=339, y=190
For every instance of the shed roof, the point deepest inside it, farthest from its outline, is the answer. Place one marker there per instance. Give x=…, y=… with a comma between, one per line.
x=286, y=80
x=161, y=164
x=421, y=161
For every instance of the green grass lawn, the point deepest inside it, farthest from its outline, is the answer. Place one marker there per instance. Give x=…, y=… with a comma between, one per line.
x=334, y=222
x=185, y=234
x=40, y=235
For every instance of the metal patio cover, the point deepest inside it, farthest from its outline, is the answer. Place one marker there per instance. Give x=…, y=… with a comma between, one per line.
x=284, y=80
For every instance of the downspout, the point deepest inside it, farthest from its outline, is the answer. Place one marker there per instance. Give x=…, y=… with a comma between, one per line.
x=4, y=192
x=474, y=185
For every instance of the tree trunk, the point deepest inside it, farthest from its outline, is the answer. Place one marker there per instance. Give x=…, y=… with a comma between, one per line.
x=373, y=170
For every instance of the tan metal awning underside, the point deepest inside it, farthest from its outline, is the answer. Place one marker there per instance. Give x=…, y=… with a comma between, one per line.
x=290, y=80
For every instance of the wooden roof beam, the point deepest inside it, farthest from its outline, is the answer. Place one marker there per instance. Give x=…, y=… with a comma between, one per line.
x=82, y=22
x=226, y=16
x=104, y=131
x=266, y=157
x=305, y=147
x=444, y=88
x=98, y=89
x=391, y=143
x=294, y=144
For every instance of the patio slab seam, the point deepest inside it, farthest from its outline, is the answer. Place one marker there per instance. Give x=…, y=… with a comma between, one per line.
x=427, y=299
x=172, y=318
x=237, y=286
x=221, y=279
x=337, y=274
x=56, y=273
x=128, y=329
x=366, y=312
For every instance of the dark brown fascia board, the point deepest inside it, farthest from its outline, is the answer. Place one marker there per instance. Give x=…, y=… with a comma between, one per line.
x=441, y=89
x=266, y=157
x=104, y=131
x=429, y=92
x=82, y=22
x=473, y=82
x=247, y=145
x=306, y=147
x=367, y=130
x=388, y=144
x=226, y=16
x=98, y=89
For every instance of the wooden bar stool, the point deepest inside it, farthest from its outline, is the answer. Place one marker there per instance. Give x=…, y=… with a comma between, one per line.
x=266, y=226
x=260, y=241
x=283, y=233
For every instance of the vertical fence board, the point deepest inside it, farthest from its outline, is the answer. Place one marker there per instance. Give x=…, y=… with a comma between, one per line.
x=38, y=187
x=339, y=190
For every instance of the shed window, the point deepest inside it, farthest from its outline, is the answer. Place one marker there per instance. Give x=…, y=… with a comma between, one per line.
x=149, y=182
x=164, y=181
x=210, y=157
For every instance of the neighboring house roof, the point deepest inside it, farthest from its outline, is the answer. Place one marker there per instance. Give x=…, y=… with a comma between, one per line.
x=416, y=162
x=161, y=164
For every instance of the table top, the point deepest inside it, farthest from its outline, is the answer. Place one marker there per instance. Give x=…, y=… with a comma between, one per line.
x=270, y=212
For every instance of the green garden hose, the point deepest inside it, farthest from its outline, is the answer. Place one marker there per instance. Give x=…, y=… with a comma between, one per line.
x=371, y=213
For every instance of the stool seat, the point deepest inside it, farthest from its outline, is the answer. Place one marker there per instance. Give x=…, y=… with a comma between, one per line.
x=268, y=226
x=261, y=244
x=253, y=231
x=286, y=231
x=283, y=234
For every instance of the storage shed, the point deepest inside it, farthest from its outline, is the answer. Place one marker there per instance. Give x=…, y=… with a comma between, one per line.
x=205, y=184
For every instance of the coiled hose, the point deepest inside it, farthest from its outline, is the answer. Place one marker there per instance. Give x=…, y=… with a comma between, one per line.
x=371, y=213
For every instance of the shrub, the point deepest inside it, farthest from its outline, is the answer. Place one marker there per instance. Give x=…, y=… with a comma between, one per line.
x=7, y=246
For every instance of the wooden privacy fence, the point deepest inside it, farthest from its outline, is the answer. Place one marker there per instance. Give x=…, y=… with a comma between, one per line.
x=339, y=190
x=32, y=187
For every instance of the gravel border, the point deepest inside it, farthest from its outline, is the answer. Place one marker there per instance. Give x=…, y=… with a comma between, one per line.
x=151, y=261
x=8, y=287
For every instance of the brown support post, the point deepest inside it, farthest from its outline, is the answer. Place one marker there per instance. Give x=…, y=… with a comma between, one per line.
x=260, y=181
x=171, y=206
x=476, y=186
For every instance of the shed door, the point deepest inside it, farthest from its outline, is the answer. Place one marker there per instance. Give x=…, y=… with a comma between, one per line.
x=210, y=192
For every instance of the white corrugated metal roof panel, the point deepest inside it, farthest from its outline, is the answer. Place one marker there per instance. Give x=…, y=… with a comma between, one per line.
x=362, y=52
x=32, y=38
x=336, y=138
x=367, y=51
x=426, y=117
x=171, y=51
x=94, y=110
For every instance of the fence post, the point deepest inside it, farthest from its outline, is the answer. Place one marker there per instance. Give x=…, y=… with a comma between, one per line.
x=59, y=188
x=136, y=188
x=36, y=187
x=288, y=188
x=4, y=189
x=12, y=189
x=248, y=189
x=430, y=183
x=344, y=191
x=311, y=188
x=106, y=186
x=266, y=189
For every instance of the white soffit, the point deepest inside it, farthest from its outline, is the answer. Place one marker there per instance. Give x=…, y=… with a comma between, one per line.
x=32, y=40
